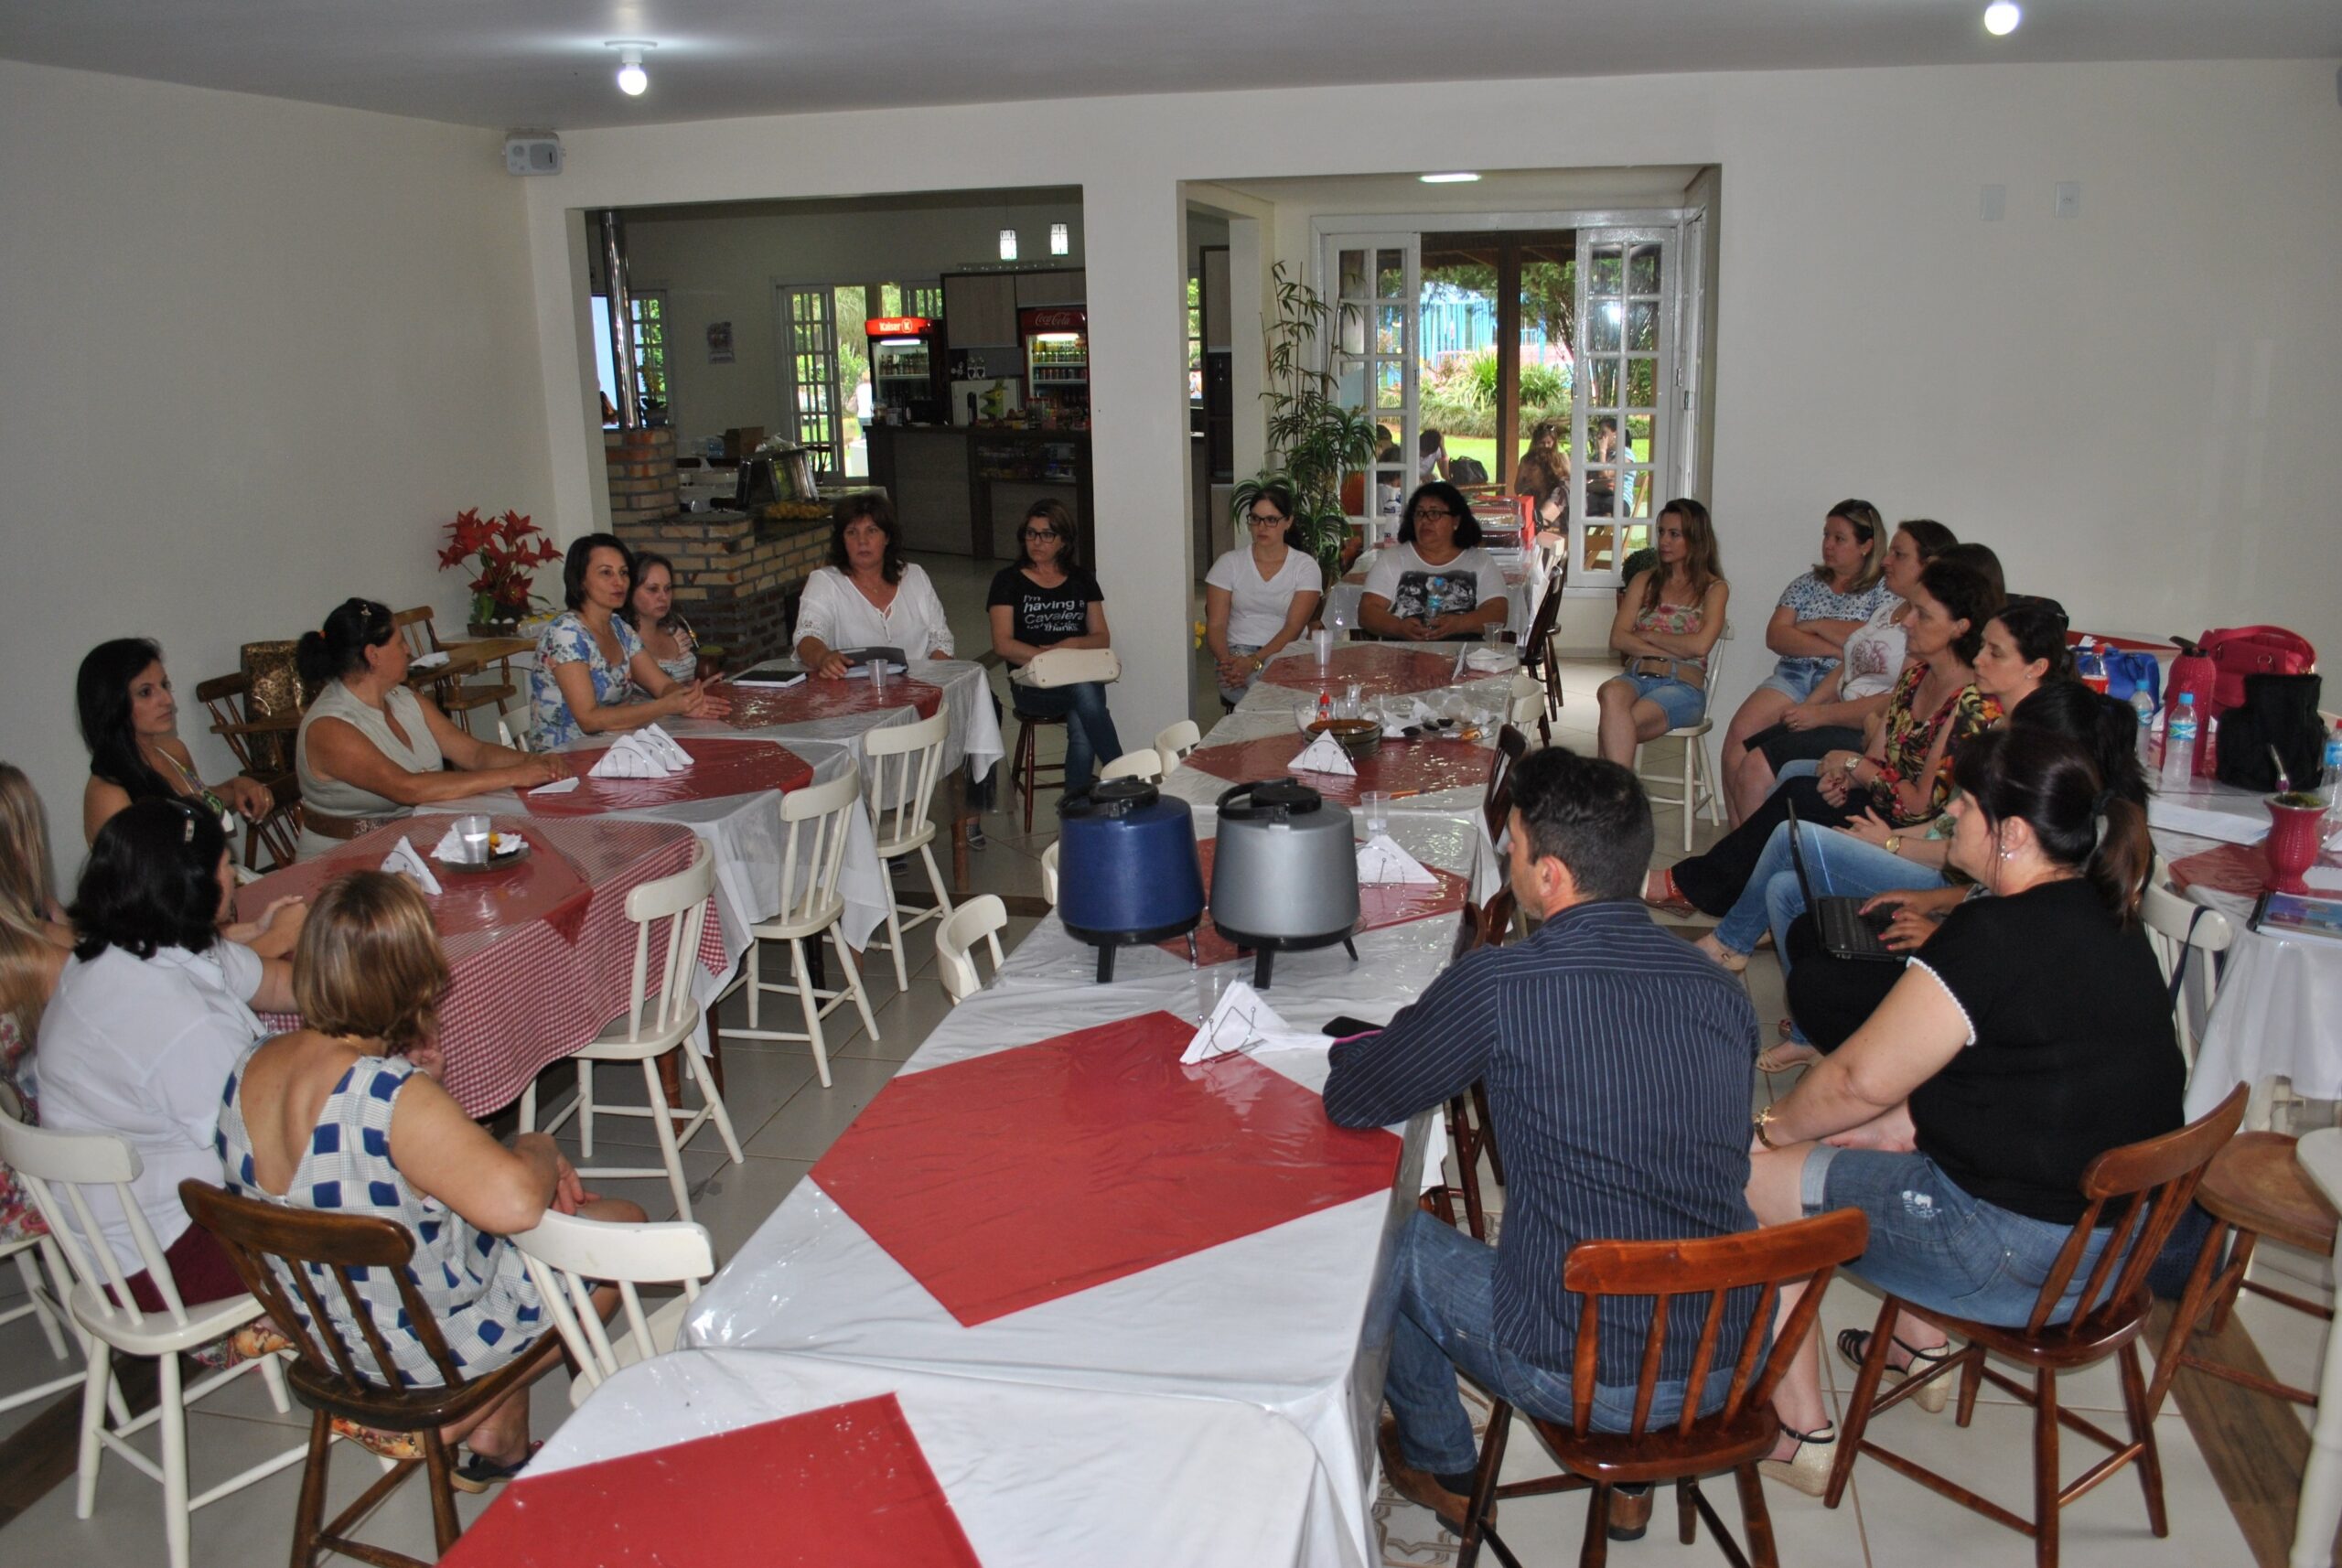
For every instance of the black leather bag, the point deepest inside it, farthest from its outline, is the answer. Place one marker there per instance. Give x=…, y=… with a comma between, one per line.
x=2279, y=711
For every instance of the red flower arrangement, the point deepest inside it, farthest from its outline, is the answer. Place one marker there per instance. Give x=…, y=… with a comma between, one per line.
x=508, y=550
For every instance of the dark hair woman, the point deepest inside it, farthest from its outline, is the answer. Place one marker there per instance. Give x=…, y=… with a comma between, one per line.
x=1260, y=596
x=666, y=636
x=1543, y=475
x=589, y=661
x=1436, y=582
x=1668, y=622
x=2033, y=1035
x=130, y=723
x=369, y=749
x=1046, y=600
x=868, y=595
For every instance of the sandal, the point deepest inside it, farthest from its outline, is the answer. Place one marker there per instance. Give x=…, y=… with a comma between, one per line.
x=379, y=1443
x=1853, y=1344
x=1723, y=958
x=1670, y=900
x=478, y=1472
x=1787, y=1057
x=1808, y=1468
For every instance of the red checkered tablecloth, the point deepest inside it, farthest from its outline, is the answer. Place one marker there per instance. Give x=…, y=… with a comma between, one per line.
x=524, y=996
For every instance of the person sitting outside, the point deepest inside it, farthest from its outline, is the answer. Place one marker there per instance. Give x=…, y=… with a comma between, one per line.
x=1669, y=619
x=868, y=596
x=1258, y=598
x=1431, y=456
x=130, y=723
x=1543, y=476
x=337, y=1116
x=1044, y=600
x=589, y=662
x=1617, y=1062
x=370, y=750
x=1436, y=582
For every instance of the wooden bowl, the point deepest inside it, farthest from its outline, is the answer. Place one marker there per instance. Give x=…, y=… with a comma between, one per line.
x=1357, y=736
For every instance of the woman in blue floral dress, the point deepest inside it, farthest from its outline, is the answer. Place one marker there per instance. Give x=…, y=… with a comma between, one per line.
x=589, y=659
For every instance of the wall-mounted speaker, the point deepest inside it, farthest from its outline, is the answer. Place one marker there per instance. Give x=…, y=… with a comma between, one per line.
x=532, y=152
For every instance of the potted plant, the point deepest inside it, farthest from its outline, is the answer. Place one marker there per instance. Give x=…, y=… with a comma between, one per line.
x=1313, y=440
x=507, y=550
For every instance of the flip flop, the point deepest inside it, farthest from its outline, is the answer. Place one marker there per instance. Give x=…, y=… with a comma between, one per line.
x=478, y=1472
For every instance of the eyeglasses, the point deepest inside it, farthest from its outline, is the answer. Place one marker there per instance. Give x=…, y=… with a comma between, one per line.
x=1432, y=513
x=1260, y=520
x=1041, y=533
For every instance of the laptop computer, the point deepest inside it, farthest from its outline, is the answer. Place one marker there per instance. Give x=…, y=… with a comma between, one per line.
x=1845, y=930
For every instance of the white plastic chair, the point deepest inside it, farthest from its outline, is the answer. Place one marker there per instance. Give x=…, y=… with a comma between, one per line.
x=1050, y=875
x=567, y=1257
x=1526, y=701
x=2185, y=932
x=56, y=1166
x=903, y=762
x=817, y=817
x=508, y=737
x=1143, y=763
x=1699, y=780
x=955, y=941
x=2320, y=1512
x=1174, y=741
x=661, y=1016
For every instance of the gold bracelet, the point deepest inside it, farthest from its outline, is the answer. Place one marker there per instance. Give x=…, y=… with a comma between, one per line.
x=1763, y=1122
x=1895, y=844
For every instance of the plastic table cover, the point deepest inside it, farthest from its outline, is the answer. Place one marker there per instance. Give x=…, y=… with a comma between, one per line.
x=763, y=707
x=540, y=886
x=719, y=768
x=1404, y=768
x=1036, y=1477
x=1379, y=904
x=972, y=735
x=1379, y=669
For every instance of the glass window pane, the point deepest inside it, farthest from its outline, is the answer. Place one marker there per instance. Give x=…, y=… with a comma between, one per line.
x=1606, y=382
x=1642, y=326
x=1351, y=336
x=1642, y=383
x=1635, y=536
x=1639, y=437
x=1642, y=270
x=1390, y=329
x=1598, y=548
x=1389, y=376
x=1608, y=271
x=1352, y=270
x=1602, y=327
x=1349, y=382
x=1390, y=274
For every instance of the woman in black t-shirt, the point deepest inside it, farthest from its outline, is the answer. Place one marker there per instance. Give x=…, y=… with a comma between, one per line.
x=1046, y=600
x=2030, y=1037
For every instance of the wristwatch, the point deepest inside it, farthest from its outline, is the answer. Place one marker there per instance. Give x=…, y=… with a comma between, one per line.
x=1895, y=844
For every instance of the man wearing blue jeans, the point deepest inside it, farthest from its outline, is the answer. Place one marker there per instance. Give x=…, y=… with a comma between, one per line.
x=1618, y=1064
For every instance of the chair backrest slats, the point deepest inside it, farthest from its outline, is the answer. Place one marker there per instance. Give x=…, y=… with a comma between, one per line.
x=657, y=1000
x=1711, y=1327
x=566, y=1256
x=905, y=761
x=59, y=1169
x=815, y=843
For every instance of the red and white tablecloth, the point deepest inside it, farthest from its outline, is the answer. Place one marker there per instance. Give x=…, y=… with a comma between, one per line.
x=541, y=952
x=1400, y=769
x=719, y=768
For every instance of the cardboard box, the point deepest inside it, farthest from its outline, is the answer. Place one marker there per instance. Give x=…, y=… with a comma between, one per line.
x=741, y=440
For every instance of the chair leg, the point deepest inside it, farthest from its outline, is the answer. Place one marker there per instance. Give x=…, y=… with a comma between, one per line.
x=37, y=1293
x=1757, y=1519
x=585, y=1109
x=2044, y=1468
x=713, y=1093
x=170, y=1419
x=1479, y=1093
x=662, y=1122
x=1690, y=787
x=93, y=1418
x=895, y=936
x=1597, y=1550
x=529, y=1107
x=812, y=1006
x=1858, y=1402
x=2143, y=1432
x=1687, y=1512
x=309, y=1512
x=2185, y=1317
x=1484, y=1484
x=755, y=978
x=272, y=1372
x=935, y=880
x=437, y=1464
x=1021, y=770
x=854, y=979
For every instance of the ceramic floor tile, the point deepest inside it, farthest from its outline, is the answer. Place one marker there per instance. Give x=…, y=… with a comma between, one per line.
x=702, y=1159
x=738, y=1198
x=759, y=1077
x=805, y=1127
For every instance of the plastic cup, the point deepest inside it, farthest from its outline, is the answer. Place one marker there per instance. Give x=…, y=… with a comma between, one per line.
x=472, y=832
x=879, y=674
x=1321, y=643
x=1374, y=810
x=2295, y=833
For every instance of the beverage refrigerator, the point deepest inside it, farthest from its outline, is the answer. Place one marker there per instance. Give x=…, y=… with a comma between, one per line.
x=1056, y=360
x=906, y=370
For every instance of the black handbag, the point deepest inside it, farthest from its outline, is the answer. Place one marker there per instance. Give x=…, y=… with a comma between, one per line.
x=2279, y=712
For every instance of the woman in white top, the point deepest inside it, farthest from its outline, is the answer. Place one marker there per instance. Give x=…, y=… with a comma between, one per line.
x=1833, y=716
x=1257, y=599
x=370, y=750
x=150, y=1015
x=1436, y=582
x=868, y=595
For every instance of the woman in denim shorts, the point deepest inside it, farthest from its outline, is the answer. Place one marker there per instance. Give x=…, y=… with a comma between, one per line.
x=2026, y=1038
x=1669, y=620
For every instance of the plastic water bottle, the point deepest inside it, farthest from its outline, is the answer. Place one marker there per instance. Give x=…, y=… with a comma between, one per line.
x=2179, y=746
x=2145, y=706
x=2329, y=784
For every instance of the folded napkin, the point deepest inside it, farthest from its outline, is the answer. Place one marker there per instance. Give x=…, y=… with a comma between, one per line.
x=1243, y=1024
x=664, y=746
x=630, y=758
x=558, y=787
x=1381, y=860
x=428, y=660
x=1490, y=660
x=404, y=860
x=1324, y=754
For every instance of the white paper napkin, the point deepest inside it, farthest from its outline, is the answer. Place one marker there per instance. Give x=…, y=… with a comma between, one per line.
x=1244, y=1023
x=1489, y=660
x=664, y=746
x=558, y=787
x=1380, y=859
x=428, y=660
x=1324, y=754
x=629, y=758
x=404, y=860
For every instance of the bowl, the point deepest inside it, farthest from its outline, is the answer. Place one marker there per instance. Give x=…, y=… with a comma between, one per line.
x=1357, y=736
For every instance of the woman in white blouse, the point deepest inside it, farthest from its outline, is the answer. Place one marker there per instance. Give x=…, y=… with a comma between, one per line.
x=1257, y=599
x=868, y=595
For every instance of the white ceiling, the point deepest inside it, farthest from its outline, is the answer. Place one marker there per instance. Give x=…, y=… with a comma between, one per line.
x=508, y=63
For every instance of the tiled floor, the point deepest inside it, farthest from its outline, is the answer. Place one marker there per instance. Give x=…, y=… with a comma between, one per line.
x=786, y=1120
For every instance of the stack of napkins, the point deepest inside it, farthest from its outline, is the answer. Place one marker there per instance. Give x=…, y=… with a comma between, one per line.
x=1243, y=1024
x=407, y=862
x=1324, y=754
x=649, y=753
x=1381, y=860
x=1492, y=661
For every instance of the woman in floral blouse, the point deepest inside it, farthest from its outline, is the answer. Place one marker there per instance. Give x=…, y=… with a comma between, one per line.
x=589, y=658
x=1906, y=775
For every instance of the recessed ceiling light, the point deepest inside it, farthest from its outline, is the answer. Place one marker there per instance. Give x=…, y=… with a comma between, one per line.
x=1458, y=178
x=632, y=78
x=2000, y=18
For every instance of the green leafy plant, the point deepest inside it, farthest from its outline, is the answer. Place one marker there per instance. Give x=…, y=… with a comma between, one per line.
x=1313, y=440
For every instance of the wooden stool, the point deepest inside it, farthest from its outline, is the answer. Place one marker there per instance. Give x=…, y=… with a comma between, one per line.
x=2255, y=1188
x=1026, y=767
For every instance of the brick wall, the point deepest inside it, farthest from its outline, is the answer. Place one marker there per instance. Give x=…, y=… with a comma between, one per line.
x=736, y=579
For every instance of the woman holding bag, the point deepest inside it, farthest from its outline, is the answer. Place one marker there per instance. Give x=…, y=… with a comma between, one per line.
x=1046, y=600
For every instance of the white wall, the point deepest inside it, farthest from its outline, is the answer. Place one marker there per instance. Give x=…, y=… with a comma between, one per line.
x=2133, y=406
x=256, y=351
x=724, y=267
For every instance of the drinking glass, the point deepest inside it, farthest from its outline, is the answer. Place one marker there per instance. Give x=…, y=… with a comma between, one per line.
x=473, y=833
x=879, y=674
x=1321, y=643
x=1374, y=810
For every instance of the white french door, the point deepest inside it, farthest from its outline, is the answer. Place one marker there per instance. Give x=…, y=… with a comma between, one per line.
x=808, y=329
x=1626, y=389
x=1372, y=284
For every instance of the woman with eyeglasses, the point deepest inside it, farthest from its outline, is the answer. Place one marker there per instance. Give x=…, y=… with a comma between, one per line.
x=868, y=595
x=130, y=723
x=1046, y=600
x=1259, y=598
x=370, y=750
x=1668, y=622
x=1436, y=583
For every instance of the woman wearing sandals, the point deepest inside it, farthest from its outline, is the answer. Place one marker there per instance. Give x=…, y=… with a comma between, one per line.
x=2031, y=1036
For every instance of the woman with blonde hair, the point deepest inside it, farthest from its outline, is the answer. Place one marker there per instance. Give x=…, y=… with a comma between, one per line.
x=1668, y=622
x=337, y=1116
x=35, y=942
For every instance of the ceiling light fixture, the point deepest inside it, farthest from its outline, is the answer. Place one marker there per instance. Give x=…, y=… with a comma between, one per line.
x=1459, y=177
x=632, y=79
x=2000, y=18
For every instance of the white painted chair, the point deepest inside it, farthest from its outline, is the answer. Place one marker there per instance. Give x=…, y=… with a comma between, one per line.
x=567, y=1257
x=507, y=737
x=1050, y=875
x=56, y=1167
x=955, y=941
x=2320, y=1512
x=1143, y=763
x=2184, y=933
x=1172, y=742
x=661, y=1016
x=903, y=762
x=43, y=1303
x=1525, y=704
x=817, y=817
x=1699, y=780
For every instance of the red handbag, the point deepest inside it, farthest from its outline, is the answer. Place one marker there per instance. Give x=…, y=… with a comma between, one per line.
x=2247, y=651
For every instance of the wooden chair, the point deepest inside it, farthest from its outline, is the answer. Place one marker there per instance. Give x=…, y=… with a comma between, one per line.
x=263, y=750
x=1496, y=800
x=1468, y=1126
x=457, y=698
x=568, y=1256
x=1025, y=766
x=1698, y=778
x=905, y=760
x=1740, y=1433
x=2137, y=1193
x=329, y=1375
x=955, y=941
x=43, y=1303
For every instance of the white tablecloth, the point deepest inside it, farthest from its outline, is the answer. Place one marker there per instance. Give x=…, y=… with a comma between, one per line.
x=1037, y=1477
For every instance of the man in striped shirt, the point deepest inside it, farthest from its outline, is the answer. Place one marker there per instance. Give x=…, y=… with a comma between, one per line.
x=1619, y=1062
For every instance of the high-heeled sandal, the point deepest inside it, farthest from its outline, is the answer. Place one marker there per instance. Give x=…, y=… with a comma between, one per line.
x=1808, y=1468
x=1853, y=1344
x=1772, y=1060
